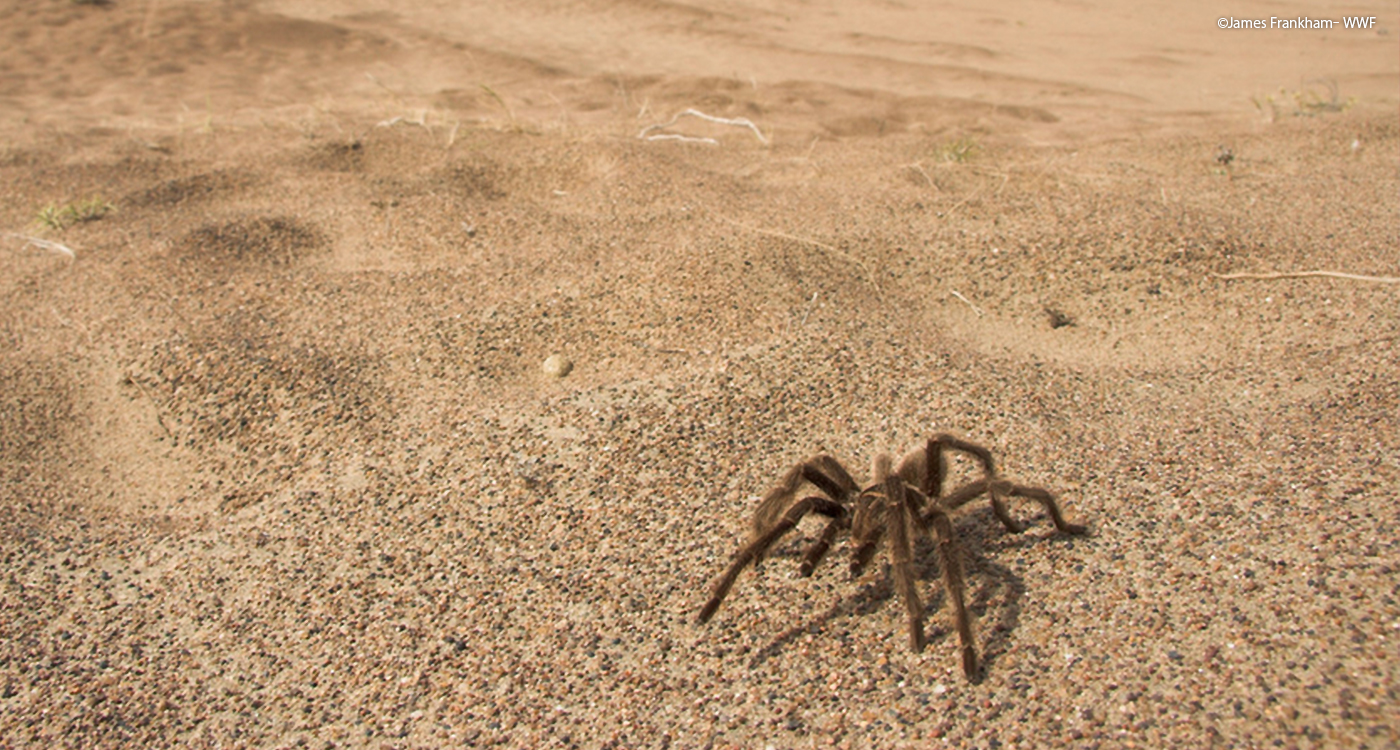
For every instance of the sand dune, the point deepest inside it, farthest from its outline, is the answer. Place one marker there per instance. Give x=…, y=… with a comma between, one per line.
x=281, y=466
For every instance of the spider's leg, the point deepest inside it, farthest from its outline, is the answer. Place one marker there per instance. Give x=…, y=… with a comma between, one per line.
x=961, y=496
x=938, y=465
x=775, y=502
x=830, y=477
x=819, y=548
x=945, y=441
x=953, y=584
x=867, y=526
x=994, y=490
x=902, y=558
x=822, y=471
x=755, y=549
x=916, y=502
x=1002, y=487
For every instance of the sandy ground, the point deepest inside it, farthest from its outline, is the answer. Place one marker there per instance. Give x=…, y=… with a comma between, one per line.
x=279, y=466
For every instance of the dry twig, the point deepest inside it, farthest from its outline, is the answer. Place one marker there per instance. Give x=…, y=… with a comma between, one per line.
x=1307, y=274
x=738, y=121
x=49, y=245
x=968, y=302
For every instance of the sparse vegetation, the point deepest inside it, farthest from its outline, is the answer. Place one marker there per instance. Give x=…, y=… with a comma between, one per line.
x=957, y=151
x=1306, y=102
x=59, y=218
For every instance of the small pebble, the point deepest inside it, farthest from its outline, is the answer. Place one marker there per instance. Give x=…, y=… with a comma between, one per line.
x=557, y=366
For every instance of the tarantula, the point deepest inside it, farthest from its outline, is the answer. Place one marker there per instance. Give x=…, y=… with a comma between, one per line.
x=898, y=504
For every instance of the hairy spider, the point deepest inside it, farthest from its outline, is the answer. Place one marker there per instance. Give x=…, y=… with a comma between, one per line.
x=898, y=504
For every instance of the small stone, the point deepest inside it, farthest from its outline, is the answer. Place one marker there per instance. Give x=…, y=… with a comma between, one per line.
x=557, y=366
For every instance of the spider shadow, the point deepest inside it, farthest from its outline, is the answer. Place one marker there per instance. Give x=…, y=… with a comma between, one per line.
x=866, y=601
x=992, y=588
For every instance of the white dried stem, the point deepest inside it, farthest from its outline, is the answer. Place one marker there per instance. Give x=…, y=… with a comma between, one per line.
x=743, y=122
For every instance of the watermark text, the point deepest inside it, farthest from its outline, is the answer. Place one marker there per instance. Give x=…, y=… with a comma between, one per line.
x=1300, y=22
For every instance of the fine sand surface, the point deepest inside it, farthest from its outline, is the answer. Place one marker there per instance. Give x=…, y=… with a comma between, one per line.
x=280, y=466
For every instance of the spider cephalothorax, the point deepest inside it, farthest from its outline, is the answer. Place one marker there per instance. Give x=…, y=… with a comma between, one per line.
x=901, y=502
